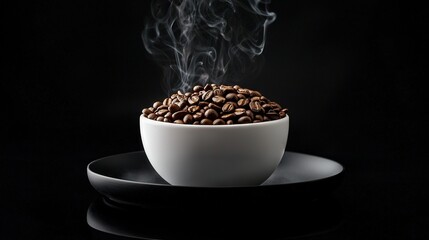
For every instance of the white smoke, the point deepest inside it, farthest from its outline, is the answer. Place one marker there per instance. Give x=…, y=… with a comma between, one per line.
x=201, y=41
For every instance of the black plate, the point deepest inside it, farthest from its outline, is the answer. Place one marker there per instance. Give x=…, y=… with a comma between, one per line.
x=130, y=179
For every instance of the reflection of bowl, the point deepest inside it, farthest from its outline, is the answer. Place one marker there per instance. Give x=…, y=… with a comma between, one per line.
x=214, y=156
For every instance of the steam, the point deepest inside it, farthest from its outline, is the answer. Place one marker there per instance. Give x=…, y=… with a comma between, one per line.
x=202, y=41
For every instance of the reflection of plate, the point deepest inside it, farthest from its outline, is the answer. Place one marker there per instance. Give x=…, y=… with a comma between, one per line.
x=285, y=221
x=130, y=179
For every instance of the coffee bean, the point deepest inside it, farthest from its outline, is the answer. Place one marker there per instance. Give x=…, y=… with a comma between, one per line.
x=196, y=123
x=156, y=104
x=244, y=119
x=197, y=88
x=239, y=111
x=179, y=115
x=231, y=97
x=207, y=95
x=227, y=89
x=193, y=99
x=254, y=93
x=146, y=111
x=273, y=115
x=218, y=122
x=211, y=114
x=188, y=119
x=168, y=115
x=259, y=117
x=218, y=99
x=161, y=112
x=193, y=108
x=197, y=116
x=243, y=102
x=243, y=91
x=208, y=87
x=173, y=108
x=206, y=121
x=167, y=101
x=228, y=107
x=215, y=104
x=215, y=107
x=229, y=116
x=152, y=116
x=255, y=106
x=218, y=92
x=241, y=96
x=250, y=114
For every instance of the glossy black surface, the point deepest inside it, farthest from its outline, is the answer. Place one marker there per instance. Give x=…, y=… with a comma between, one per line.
x=130, y=179
x=75, y=76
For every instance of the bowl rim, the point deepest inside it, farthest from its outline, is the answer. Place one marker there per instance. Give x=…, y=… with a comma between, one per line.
x=145, y=119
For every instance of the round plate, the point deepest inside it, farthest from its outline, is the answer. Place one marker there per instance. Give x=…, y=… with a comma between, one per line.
x=130, y=179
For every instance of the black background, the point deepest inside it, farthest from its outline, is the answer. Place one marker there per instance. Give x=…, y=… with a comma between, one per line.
x=352, y=74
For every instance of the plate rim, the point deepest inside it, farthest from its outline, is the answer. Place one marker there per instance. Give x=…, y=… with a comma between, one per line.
x=91, y=172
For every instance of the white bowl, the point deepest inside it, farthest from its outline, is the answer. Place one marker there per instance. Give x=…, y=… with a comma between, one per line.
x=216, y=155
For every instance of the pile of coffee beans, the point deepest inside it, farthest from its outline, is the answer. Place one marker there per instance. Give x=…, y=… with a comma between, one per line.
x=215, y=105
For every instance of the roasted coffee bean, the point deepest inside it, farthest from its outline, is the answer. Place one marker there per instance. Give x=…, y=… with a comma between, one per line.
x=240, y=111
x=215, y=107
x=218, y=92
x=244, y=119
x=193, y=99
x=255, y=106
x=167, y=101
x=243, y=91
x=197, y=88
x=229, y=116
x=231, y=97
x=207, y=95
x=250, y=114
x=196, y=123
x=206, y=121
x=156, y=104
x=168, y=115
x=179, y=115
x=243, y=102
x=241, y=96
x=211, y=114
x=208, y=87
x=273, y=115
x=161, y=112
x=215, y=104
x=254, y=93
x=146, y=111
x=227, y=89
x=219, y=122
x=188, y=119
x=203, y=104
x=193, y=108
x=218, y=99
x=197, y=116
x=228, y=107
x=173, y=108
x=259, y=117
x=152, y=116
